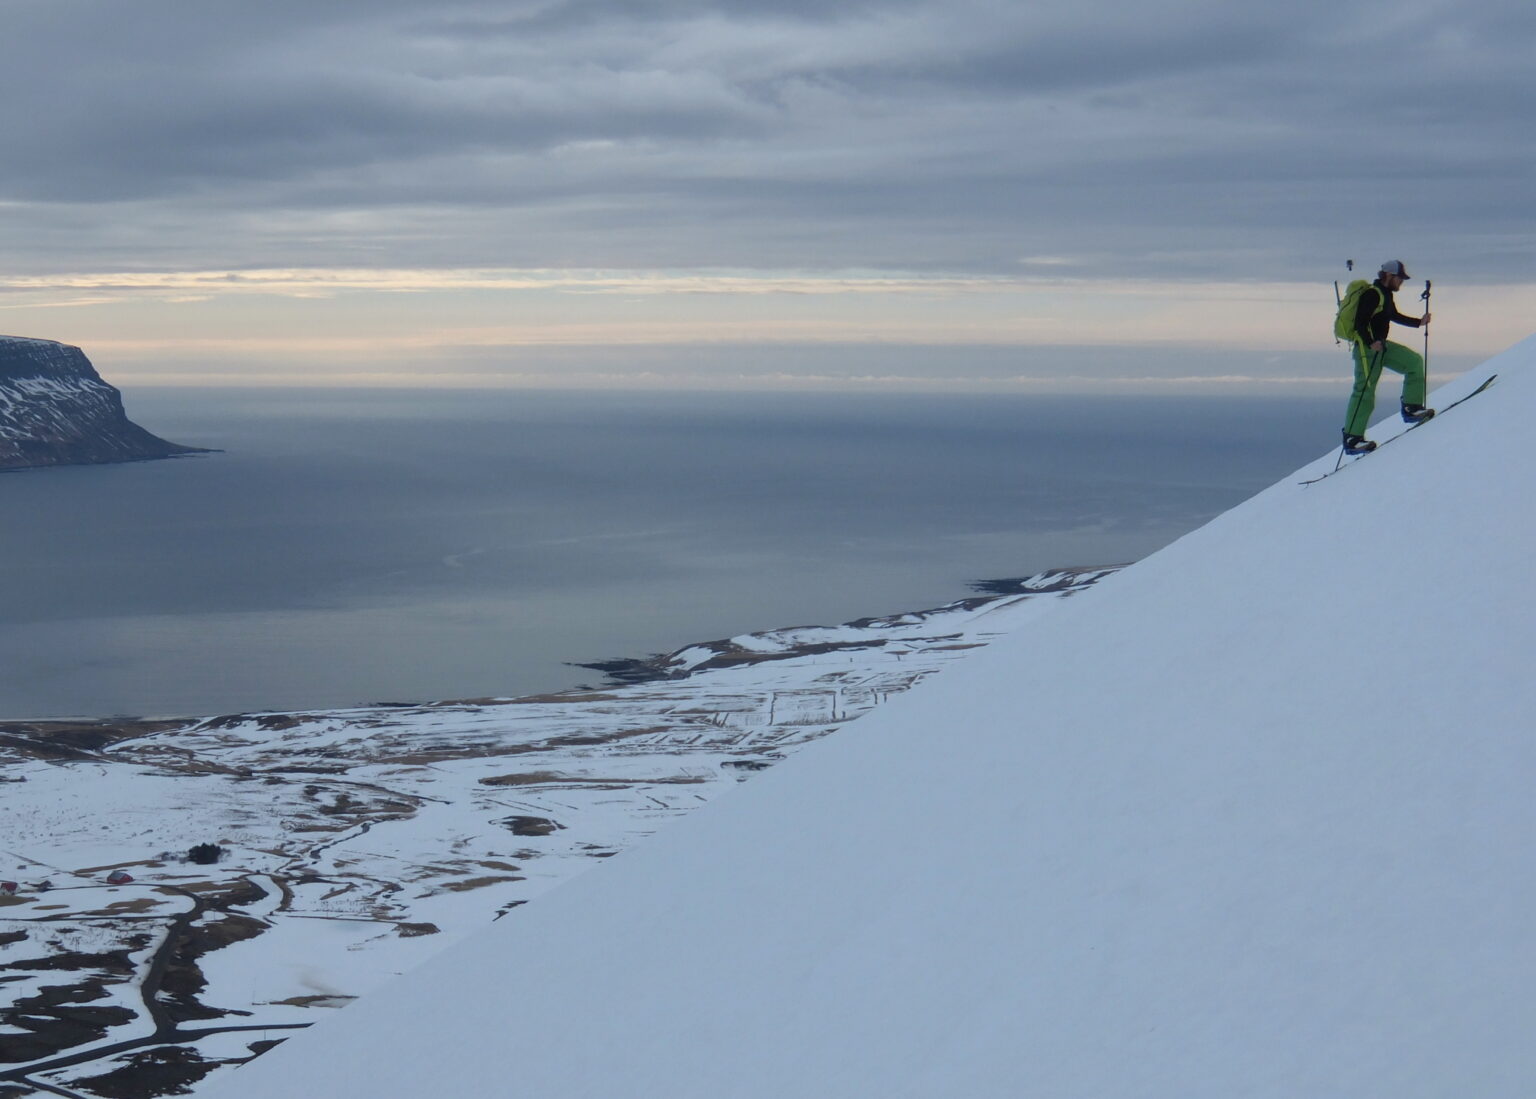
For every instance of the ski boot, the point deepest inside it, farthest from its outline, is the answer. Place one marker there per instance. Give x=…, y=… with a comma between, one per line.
x=1357, y=444
x=1416, y=413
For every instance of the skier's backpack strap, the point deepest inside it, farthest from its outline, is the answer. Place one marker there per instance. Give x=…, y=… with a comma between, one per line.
x=1349, y=306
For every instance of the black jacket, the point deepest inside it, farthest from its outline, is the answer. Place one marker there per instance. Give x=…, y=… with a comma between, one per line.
x=1374, y=315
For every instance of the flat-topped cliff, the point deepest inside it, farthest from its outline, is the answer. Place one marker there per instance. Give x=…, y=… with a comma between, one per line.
x=56, y=410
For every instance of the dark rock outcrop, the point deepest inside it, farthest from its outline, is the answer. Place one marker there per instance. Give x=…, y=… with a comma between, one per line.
x=55, y=410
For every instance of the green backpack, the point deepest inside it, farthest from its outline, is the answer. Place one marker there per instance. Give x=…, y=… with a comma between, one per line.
x=1349, y=305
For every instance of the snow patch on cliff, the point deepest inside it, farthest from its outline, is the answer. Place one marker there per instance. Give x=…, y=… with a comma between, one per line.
x=55, y=409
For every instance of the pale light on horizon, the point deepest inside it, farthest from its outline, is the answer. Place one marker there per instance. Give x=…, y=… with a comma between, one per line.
x=354, y=326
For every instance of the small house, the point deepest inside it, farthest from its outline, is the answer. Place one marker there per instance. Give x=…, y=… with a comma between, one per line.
x=119, y=877
x=8, y=888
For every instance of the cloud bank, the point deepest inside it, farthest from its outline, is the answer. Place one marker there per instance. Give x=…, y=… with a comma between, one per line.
x=1180, y=139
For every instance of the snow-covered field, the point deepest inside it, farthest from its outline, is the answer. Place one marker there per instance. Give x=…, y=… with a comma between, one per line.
x=359, y=843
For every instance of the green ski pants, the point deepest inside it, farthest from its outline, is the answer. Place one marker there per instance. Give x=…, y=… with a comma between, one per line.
x=1368, y=366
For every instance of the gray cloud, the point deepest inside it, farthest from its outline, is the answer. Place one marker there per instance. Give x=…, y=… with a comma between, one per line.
x=1180, y=138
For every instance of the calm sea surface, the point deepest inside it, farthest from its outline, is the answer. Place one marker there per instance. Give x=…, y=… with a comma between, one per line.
x=361, y=546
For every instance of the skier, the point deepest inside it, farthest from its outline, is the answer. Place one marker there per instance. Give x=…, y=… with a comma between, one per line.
x=1374, y=313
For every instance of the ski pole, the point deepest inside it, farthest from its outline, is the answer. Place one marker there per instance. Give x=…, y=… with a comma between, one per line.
x=1424, y=297
x=1372, y=376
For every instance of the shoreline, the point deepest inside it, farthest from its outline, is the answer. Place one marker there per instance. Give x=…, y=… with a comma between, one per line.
x=617, y=671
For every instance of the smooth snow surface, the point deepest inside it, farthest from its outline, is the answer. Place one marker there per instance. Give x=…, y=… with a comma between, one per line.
x=1252, y=819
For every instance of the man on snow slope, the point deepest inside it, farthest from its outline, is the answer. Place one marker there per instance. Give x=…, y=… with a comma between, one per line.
x=1374, y=314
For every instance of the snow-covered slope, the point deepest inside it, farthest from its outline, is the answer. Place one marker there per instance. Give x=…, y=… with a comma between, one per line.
x=350, y=845
x=1257, y=823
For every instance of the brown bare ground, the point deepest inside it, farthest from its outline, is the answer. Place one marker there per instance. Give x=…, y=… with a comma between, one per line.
x=109, y=866
x=142, y=904
x=312, y=1001
x=572, y=696
x=527, y=778
x=589, y=783
x=478, y=883
x=574, y=740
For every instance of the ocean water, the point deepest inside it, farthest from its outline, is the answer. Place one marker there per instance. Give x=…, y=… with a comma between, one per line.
x=355, y=546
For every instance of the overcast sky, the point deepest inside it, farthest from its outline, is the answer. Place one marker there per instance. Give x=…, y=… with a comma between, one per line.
x=538, y=190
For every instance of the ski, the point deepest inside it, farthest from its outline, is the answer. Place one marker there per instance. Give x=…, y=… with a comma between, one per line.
x=1438, y=413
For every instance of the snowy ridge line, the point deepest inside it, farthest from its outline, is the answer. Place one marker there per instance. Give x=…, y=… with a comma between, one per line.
x=355, y=843
x=1390, y=427
x=1341, y=465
